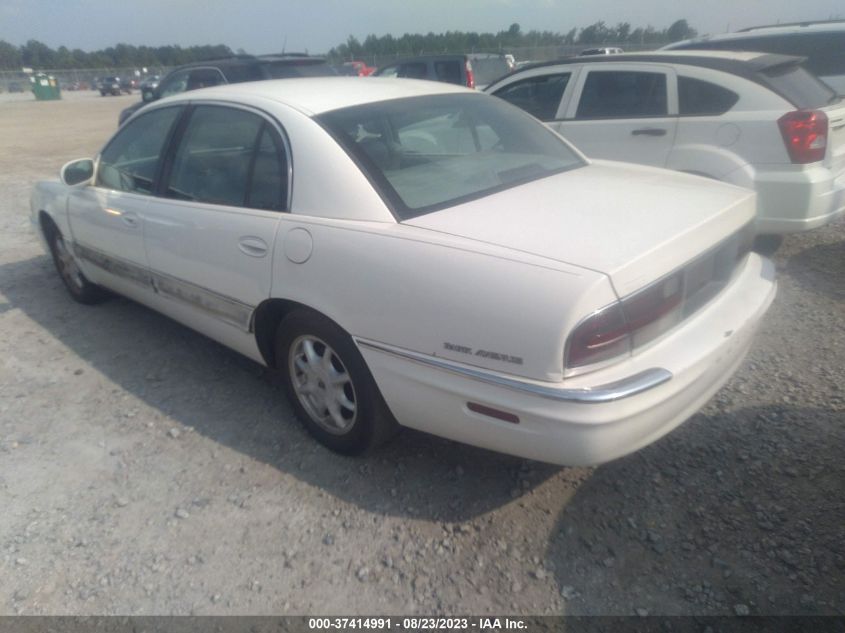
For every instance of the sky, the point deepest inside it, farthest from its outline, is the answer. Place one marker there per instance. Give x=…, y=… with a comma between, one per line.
x=269, y=26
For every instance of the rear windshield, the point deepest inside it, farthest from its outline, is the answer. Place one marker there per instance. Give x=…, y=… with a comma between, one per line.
x=487, y=70
x=798, y=86
x=299, y=68
x=428, y=153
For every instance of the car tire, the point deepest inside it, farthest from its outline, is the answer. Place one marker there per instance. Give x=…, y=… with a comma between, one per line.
x=76, y=283
x=329, y=385
x=767, y=244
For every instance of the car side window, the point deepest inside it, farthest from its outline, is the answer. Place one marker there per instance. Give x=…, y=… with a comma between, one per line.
x=174, y=84
x=413, y=70
x=130, y=160
x=204, y=78
x=700, y=98
x=539, y=96
x=448, y=71
x=224, y=157
x=622, y=94
x=269, y=183
x=389, y=71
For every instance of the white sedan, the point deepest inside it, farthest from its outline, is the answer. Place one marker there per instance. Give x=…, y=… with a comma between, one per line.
x=418, y=253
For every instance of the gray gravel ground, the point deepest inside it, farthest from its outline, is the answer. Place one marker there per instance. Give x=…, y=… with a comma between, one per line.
x=144, y=469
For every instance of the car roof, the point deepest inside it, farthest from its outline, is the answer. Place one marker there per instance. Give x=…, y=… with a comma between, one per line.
x=770, y=29
x=240, y=60
x=742, y=63
x=315, y=95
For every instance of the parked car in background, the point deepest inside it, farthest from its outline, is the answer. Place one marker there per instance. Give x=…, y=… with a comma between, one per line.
x=356, y=68
x=821, y=43
x=236, y=69
x=751, y=119
x=418, y=252
x=601, y=51
x=148, y=86
x=473, y=70
x=111, y=86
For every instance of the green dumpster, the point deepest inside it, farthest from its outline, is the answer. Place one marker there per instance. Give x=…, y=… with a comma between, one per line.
x=44, y=87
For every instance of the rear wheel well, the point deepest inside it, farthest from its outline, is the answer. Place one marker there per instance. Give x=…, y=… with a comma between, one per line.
x=265, y=323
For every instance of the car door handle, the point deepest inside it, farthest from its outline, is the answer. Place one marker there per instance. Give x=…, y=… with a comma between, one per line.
x=252, y=246
x=130, y=220
x=649, y=131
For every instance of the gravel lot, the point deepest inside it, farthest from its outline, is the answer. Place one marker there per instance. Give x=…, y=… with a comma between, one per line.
x=144, y=469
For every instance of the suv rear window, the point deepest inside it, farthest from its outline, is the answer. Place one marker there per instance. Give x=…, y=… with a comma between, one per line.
x=798, y=86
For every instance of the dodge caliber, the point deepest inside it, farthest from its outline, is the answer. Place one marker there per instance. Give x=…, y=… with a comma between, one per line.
x=410, y=253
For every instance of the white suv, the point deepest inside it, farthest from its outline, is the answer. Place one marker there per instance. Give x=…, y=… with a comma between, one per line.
x=752, y=119
x=822, y=44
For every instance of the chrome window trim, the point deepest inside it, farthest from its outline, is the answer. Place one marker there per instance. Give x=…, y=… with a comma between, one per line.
x=608, y=392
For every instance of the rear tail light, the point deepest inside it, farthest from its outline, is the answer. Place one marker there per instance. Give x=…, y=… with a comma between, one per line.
x=640, y=318
x=601, y=336
x=620, y=327
x=805, y=135
x=470, y=76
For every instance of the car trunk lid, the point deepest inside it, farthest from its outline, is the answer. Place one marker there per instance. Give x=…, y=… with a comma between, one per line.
x=629, y=222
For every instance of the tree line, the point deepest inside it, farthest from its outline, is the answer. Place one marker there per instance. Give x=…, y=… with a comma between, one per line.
x=37, y=55
x=513, y=38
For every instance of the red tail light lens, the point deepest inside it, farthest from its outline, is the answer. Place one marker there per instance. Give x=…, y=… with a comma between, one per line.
x=470, y=76
x=805, y=135
x=600, y=337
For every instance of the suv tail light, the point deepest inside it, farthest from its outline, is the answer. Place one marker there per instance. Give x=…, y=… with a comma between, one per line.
x=470, y=76
x=805, y=135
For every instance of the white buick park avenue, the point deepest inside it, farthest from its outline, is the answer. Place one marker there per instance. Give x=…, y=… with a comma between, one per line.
x=408, y=253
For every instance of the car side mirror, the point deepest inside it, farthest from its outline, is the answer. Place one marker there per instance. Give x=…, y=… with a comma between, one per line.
x=77, y=172
x=148, y=95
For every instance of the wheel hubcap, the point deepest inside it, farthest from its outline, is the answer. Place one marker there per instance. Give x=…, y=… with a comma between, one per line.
x=67, y=266
x=322, y=384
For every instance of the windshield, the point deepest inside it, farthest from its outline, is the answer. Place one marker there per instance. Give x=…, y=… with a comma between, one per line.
x=428, y=153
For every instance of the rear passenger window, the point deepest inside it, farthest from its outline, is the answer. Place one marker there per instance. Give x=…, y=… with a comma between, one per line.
x=228, y=156
x=699, y=98
x=448, y=71
x=413, y=70
x=269, y=183
x=539, y=96
x=622, y=94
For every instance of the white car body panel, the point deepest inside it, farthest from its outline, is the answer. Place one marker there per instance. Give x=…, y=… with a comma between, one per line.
x=472, y=303
x=743, y=146
x=601, y=196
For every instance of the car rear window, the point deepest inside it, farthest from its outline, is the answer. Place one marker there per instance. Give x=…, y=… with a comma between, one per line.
x=299, y=68
x=427, y=153
x=487, y=69
x=448, y=71
x=798, y=86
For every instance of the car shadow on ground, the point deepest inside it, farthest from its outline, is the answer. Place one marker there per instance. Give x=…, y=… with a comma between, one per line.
x=737, y=508
x=237, y=403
